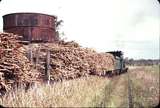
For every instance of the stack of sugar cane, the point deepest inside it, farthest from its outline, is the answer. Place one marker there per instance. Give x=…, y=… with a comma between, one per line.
x=15, y=68
x=68, y=60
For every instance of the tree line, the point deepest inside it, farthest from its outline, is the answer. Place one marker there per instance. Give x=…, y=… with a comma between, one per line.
x=142, y=62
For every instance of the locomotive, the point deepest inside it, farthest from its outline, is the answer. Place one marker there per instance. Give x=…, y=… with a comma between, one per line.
x=119, y=66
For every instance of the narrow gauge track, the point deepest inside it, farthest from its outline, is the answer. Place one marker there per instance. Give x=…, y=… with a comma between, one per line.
x=118, y=93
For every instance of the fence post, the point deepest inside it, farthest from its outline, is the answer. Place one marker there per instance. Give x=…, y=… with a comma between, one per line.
x=47, y=68
x=30, y=55
x=37, y=57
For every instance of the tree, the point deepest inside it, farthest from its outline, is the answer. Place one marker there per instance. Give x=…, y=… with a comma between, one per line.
x=60, y=34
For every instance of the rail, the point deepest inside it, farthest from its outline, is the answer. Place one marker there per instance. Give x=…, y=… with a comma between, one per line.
x=130, y=97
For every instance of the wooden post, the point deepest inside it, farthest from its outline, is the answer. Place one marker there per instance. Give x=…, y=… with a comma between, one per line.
x=37, y=57
x=30, y=55
x=47, y=67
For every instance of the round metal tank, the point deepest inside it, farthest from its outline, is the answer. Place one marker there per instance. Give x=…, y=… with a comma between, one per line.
x=34, y=27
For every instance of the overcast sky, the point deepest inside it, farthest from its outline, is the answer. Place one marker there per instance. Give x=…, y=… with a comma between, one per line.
x=132, y=26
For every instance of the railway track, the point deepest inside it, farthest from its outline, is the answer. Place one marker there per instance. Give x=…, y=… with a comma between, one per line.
x=130, y=96
x=118, y=93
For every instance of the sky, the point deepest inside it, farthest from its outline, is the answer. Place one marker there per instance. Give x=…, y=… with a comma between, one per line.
x=132, y=26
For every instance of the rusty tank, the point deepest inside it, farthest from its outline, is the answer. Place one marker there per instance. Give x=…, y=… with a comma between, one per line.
x=34, y=27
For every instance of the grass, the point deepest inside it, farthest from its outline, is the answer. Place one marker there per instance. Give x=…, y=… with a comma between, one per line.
x=92, y=91
x=81, y=92
x=145, y=86
x=116, y=92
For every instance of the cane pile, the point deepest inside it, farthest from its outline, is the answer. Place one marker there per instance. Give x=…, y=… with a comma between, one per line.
x=15, y=68
x=68, y=60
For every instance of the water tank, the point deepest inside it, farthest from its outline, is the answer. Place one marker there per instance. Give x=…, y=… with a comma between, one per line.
x=34, y=27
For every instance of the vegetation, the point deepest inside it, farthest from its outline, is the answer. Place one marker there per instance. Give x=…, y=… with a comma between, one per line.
x=92, y=91
x=145, y=86
x=142, y=62
x=78, y=92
